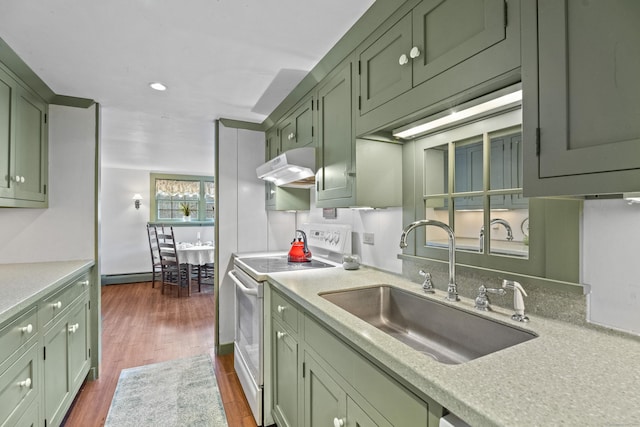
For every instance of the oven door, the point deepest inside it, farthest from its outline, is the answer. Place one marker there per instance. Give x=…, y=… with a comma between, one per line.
x=248, y=342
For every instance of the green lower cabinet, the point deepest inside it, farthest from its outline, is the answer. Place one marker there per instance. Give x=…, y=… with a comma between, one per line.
x=66, y=360
x=79, y=344
x=30, y=417
x=56, y=372
x=327, y=403
x=285, y=376
x=324, y=399
x=357, y=417
x=320, y=380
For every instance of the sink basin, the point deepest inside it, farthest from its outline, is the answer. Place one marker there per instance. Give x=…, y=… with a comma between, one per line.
x=445, y=333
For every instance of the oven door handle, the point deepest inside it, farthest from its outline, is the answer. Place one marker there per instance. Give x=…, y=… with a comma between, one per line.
x=243, y=288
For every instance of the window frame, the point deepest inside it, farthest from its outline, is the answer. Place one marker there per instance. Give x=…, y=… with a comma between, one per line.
x=543, y=233
x=198, y=220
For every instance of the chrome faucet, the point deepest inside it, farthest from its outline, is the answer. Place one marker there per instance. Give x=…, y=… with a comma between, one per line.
x=452, y=291
x=495, y=221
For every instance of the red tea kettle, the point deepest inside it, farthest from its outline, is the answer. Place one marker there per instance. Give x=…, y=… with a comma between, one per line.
x=299, y=251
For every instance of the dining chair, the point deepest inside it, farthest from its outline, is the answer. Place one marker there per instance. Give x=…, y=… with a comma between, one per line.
x=173, y=274
x=156, y=265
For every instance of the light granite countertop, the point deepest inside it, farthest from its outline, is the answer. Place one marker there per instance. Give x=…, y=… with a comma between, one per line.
x=568, y=375
x=23, y=284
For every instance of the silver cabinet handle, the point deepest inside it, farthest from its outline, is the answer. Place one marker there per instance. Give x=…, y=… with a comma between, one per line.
x=414, y=52
x=291, y=136
x=403, y=59
x=280, y=335
x=338, y=422
x=57, y=304
x=27, y=329
x=73, y=328
x=84, y=283
x=281, y=308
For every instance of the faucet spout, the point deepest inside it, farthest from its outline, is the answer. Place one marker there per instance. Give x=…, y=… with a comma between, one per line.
x=452, y=291
x=496, y=221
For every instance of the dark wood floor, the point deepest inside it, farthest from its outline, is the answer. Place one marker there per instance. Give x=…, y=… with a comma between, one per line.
x=141, y=326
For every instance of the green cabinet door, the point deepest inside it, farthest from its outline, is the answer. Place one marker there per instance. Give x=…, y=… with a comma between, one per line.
x=334, y=178
x=79, y=336
x=446, y=33
x=297, y=129
x=452, y=50
x=6, y=90
x=56, y=371
x=324, y=399
x=30, y=148
x=581, y=62
x=383, y=75
x=357, y=417
x=285, y=376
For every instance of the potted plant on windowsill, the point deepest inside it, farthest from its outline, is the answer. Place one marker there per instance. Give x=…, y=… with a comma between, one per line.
x=186, y=211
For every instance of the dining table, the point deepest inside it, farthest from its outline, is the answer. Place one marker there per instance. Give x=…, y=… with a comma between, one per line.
x=197, y=254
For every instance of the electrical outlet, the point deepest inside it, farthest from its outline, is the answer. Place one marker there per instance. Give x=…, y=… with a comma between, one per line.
x=367, y=238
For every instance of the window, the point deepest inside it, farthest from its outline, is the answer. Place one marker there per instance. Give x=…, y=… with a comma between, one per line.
x=176, y=195
x=470, y=177
x=473, y=180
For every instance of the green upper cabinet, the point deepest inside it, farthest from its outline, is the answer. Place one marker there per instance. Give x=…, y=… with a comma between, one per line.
x=31, y=149
x=334, y=183
x=23, y=144
x=382, y=76
x=352, y=172
x=280, y=198
x=438, y=50
x=6, y=90
x=272, y=147
x=582, y=97
x=297, y=129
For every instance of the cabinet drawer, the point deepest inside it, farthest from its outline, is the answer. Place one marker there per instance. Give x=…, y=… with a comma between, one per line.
x=285, y=311
x=16, y=333
x=18, y=387
x=30, y=417
x=398, y=405
x=51, y=307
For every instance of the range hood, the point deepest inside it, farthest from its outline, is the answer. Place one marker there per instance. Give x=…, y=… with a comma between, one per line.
x=293, y=168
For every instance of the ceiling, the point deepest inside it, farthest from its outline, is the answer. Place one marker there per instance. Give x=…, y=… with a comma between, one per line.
x=219, y=58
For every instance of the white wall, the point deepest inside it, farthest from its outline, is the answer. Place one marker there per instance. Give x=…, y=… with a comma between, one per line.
x=610, y=258
x=64, y=231
x=242, y=220
x=385, y=224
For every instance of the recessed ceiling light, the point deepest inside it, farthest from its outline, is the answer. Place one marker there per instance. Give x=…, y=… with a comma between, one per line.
x=157, y=86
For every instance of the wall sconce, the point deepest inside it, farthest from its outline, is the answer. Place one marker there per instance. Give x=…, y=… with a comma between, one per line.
x=136, y=200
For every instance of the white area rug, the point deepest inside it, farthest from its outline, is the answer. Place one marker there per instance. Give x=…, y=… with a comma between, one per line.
x=181, y=392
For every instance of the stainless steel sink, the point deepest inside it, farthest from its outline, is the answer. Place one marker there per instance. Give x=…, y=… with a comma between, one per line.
x=448, y=334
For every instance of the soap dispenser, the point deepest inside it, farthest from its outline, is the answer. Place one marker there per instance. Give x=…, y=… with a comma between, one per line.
x=518, y=301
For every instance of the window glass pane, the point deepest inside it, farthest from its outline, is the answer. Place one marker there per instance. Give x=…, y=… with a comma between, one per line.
x=506, y=159
x=436, y=170
x=508, y=233
x=468, y=165
x=172, y=196
x=436, y=209
x=468, y=222
x=209, y=198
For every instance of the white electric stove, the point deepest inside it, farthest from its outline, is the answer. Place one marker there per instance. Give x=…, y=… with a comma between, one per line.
x=327, y=243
